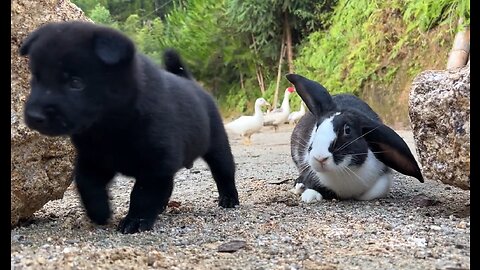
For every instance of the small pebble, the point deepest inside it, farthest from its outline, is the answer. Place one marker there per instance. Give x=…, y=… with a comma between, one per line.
x=389, y=233
x=462, y=225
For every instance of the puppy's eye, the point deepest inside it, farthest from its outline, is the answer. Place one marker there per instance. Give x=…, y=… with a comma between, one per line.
x=346, y=129
x=76, y=84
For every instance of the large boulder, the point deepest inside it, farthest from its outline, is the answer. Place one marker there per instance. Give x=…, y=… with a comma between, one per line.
x=439, y=109
x=40, y=166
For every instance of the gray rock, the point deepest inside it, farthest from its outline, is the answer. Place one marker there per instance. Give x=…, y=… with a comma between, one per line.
x=40, y=166
x=439, y=109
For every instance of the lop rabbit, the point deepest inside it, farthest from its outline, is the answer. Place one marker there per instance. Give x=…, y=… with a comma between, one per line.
x=342, y=149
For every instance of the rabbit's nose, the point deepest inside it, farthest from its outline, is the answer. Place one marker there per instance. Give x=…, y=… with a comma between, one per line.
x=321, y=160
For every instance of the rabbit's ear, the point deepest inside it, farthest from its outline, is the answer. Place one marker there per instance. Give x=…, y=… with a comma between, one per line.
x=390, y=148
x=315, y=96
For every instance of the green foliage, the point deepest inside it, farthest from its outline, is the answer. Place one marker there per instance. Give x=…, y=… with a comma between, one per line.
x=390, y=74
x=88, y=5
x=355, y=46
x=101, y=15
x=258, y=26
x=151, y=35
x=122, y=9
x=340, y=43
x=341, y=58
x=221, y=41
x=207, y=47
x=426, y=14
x=260, y=23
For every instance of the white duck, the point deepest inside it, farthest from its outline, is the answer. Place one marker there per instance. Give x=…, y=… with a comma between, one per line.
x=245, y=126
x=294, y=117
x=280, y=115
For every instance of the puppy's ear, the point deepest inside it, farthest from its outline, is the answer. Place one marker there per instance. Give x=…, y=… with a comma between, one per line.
x=112, y=47
x=25, y=48
x=33, y=36
x=30, y=39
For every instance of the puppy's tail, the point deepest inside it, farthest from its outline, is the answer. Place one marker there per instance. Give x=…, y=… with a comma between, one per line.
x=174, y=64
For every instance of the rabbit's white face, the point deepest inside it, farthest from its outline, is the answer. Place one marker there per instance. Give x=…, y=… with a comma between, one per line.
x=319, y=155
x=336, y=143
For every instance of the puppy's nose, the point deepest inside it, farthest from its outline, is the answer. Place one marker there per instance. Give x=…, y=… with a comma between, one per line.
x=36, y=116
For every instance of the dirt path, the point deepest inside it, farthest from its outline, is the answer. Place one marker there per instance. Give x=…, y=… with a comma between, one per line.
x=418, y=226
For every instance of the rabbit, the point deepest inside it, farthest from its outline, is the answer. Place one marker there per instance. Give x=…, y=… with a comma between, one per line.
x=342, y=149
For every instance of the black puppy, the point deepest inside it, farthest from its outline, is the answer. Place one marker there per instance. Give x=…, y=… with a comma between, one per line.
x=124, y=115
x=173, y=63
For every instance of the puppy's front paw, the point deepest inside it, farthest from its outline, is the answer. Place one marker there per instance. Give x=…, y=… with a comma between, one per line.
x=134, y=225
x=228, y=201
x=99, y=215
x=311, y=196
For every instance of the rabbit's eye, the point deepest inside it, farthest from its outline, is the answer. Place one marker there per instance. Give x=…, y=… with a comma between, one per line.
x=346, y=129
x=310, y=148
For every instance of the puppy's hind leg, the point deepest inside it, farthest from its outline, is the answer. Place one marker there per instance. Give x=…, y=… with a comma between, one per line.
x=91, y=182
x=149, y=198
x=220, y=160
x=223, y=170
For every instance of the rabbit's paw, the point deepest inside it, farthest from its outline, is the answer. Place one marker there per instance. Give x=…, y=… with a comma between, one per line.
x=311, y=196
x=298, y=189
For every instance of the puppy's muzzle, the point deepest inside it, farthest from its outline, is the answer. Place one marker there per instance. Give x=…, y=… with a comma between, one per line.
x=35, y=117
x=44, y=120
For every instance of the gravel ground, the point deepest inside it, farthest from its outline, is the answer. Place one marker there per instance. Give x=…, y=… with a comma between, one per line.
x=418, y=226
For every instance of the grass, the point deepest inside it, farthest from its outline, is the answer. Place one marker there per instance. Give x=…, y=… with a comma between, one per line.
x=364, y=33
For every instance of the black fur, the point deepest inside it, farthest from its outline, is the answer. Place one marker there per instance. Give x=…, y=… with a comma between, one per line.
x=340, y=147
x=174, y=64
x=124, y=115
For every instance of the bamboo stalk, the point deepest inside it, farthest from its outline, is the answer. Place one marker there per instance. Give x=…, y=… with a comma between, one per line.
x=288, y=35
x=258, y=71
x=258, y=68
x=258, y=77
x=279, y=74
x=460, y=53
x=262, y=86
x=242, y=86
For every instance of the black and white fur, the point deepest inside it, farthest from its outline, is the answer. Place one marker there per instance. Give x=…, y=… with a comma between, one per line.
x=342, y=149
x=124, y=115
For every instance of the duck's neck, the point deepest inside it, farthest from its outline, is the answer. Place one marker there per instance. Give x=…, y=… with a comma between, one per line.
x=302, y=108
x=258, y=111
x=285, y=103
